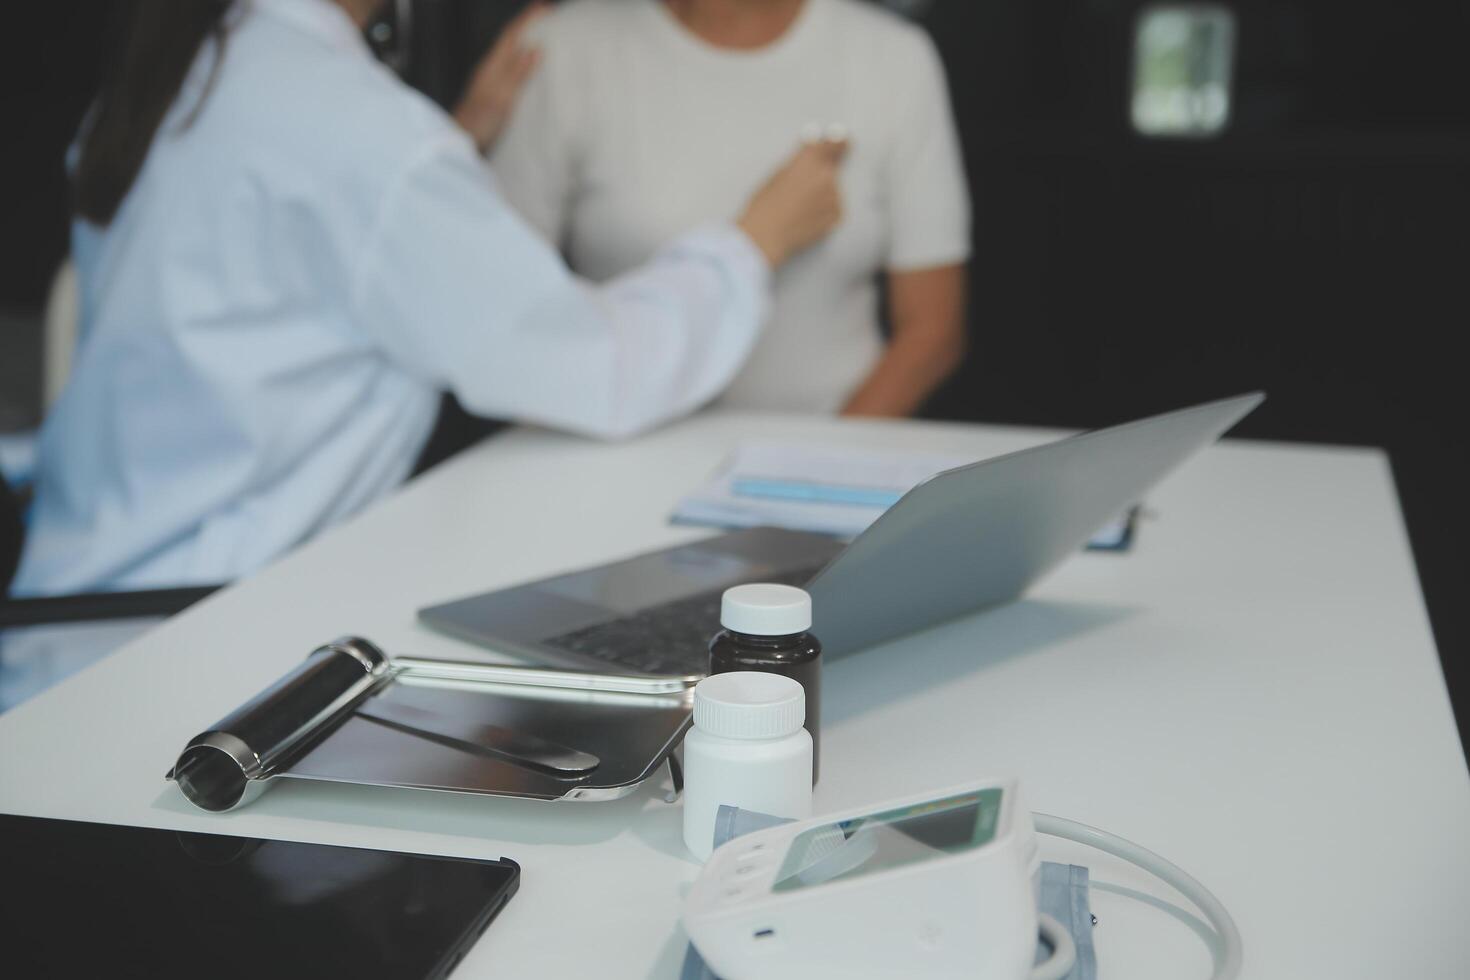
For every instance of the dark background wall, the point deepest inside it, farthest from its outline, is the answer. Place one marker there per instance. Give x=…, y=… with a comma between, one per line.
x=1316, y=249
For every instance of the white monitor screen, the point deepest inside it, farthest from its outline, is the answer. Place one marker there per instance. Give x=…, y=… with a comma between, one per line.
x=889, y=839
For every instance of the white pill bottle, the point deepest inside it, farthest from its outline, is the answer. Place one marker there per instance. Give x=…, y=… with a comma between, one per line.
x=747, y=749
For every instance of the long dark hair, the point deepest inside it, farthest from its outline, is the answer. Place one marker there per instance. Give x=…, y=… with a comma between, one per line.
x=143, y=79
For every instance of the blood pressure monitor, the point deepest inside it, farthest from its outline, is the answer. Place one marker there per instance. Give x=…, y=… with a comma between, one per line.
x=940, y=885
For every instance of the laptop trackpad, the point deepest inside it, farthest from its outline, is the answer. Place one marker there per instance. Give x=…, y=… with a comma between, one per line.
x=650, y=580
x=520, y=615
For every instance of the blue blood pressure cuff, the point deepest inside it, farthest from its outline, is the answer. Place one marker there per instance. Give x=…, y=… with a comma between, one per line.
x=1062, y=895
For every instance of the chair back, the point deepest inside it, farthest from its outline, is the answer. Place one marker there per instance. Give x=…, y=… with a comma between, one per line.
x=11, y=532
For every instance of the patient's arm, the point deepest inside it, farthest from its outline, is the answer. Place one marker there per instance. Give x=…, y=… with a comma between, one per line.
x=927, y=309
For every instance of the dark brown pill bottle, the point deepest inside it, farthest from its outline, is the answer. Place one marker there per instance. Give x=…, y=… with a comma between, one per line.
x=767, y=628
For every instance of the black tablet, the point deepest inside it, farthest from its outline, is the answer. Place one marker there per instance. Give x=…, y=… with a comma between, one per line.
x=95, y=900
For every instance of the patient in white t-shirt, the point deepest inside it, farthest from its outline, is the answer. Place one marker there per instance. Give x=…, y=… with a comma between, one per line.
x=647, y=118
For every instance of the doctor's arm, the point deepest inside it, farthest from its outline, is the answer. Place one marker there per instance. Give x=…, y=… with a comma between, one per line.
x=457, y=289
x=927, y=310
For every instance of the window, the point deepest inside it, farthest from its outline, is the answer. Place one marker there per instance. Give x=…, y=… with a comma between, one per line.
x=1183, y=56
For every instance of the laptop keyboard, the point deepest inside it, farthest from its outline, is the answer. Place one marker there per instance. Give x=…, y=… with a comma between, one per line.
x=672, y=638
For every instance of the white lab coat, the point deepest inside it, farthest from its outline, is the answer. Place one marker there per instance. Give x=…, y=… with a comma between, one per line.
x=291, y=281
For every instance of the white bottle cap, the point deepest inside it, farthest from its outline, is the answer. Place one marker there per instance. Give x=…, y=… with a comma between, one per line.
x=749, y=704
x=766, y=610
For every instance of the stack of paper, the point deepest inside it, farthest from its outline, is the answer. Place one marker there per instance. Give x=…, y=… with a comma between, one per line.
x=829, y=489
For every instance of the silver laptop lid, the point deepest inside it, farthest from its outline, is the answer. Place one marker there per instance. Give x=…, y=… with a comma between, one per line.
x=979, y=535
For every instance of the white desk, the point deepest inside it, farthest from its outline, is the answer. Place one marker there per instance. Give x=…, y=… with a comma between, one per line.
x=1253, y=692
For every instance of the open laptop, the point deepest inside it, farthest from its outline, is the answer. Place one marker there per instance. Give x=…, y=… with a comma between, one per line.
x=964, y=540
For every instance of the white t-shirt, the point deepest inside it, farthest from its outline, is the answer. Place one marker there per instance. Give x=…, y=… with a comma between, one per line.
x=634, y=130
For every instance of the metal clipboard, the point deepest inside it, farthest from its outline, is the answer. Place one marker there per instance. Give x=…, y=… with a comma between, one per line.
x=350, y=714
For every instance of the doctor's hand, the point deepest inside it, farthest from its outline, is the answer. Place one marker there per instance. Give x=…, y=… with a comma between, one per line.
x=799, y=204
x=490, y=96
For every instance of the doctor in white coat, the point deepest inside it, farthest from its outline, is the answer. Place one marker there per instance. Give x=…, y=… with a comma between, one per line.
x=285, y=254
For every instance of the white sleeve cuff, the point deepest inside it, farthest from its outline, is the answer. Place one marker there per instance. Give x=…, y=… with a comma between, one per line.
x=735, y=250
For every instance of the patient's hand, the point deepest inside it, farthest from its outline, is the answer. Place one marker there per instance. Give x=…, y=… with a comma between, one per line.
x=799, y=204
x=490, y=96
